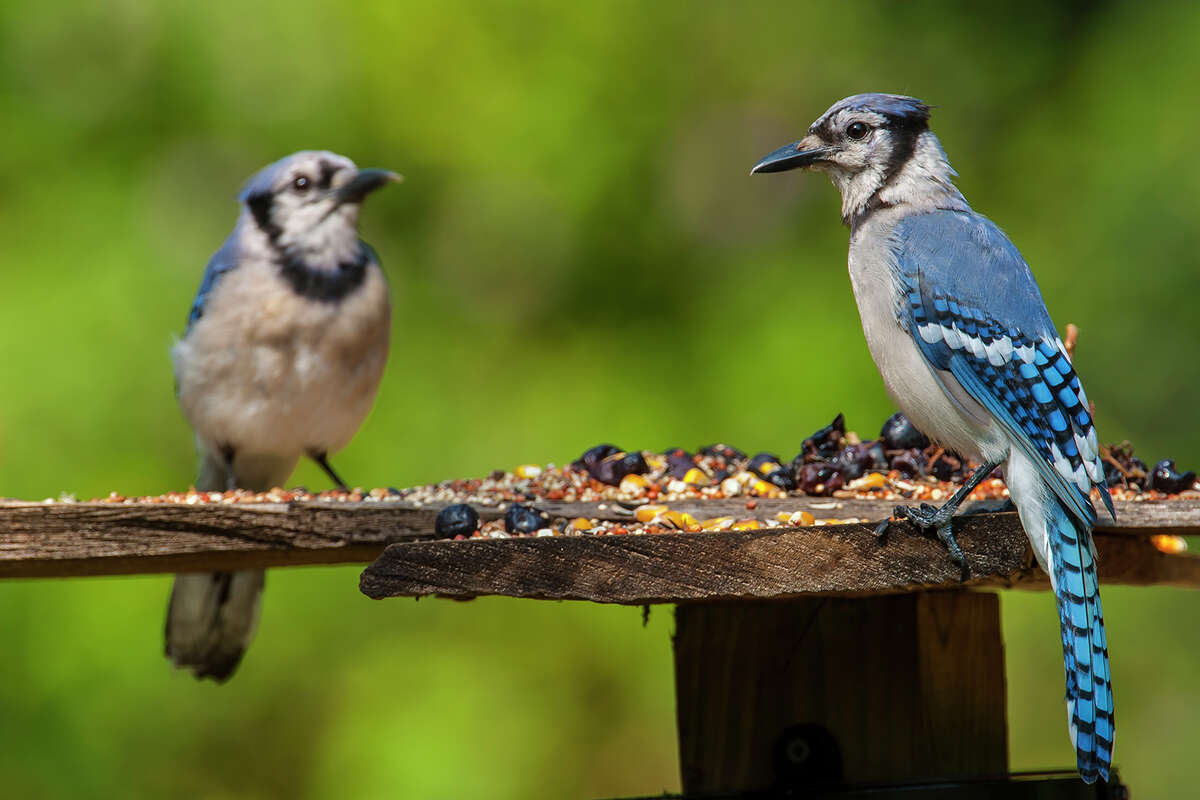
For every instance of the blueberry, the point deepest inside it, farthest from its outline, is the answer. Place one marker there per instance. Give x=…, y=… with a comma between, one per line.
x=819, y=474
x=900, y=434
x=524, y=519
x=455, y=520
x=1164, y=478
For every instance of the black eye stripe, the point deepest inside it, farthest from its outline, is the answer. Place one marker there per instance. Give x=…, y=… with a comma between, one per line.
x=327, y=173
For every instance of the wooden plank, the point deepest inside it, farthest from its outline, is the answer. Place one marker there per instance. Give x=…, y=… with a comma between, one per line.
x=681, y=567
x=909, y=687
x=73, y=539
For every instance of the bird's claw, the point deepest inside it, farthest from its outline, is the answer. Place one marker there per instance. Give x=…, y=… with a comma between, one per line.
x=927, y=518
x=881, y=529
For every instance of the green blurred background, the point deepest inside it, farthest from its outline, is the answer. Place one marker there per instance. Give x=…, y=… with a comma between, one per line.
x=578, y=255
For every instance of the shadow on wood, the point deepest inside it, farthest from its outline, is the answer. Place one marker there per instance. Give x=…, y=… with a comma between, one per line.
x=910, y=687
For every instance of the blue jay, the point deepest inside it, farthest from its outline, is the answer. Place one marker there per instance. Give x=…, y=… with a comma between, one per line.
x=281, y=358
x=967, y=350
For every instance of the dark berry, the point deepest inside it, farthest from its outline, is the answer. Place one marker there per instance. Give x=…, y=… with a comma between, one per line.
x=456, y=520
x=764, y=463
x=879, y=462
x=1164, y=478
x=900, y=434
x=910, y=463
x=617, y=465
x=594, y=455
x=819, y=477
x=679, y=461
x=853, y=460
x=782, y=478
x=947, y=468
x=825, y=443
x=524, y=519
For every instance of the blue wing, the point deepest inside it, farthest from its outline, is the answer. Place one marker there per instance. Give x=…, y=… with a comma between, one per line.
x=222, y=262
x=974, y=309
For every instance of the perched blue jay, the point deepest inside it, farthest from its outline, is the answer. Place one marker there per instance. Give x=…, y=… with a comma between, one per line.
x=967, y=350
x=284, y=348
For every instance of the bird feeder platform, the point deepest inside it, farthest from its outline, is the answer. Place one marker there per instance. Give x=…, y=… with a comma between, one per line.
x=810, y=660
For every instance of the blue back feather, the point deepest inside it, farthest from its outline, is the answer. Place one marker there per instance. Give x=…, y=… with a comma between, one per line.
x=222, y=262
x=974, y=309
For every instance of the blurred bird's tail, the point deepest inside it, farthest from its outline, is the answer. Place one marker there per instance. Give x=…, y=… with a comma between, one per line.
x=211, y=619
x=212, y=615
x=1064, y=549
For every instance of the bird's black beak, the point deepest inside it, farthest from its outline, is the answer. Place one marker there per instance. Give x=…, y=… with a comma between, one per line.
x=804, y=153
x=365, y=182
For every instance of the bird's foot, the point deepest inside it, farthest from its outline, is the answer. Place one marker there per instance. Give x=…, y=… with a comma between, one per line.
x=929, y=518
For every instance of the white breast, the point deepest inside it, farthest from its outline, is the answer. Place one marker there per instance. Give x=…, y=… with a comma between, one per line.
x=268, y=372
x=934, y=402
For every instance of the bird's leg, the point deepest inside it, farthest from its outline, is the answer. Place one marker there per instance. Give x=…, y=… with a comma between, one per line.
x=227, y=454
x=927, y=516
x=323, y=463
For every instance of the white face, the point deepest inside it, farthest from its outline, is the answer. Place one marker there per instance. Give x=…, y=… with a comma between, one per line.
x=859, y=140
x=862, y=150
x=298, y=199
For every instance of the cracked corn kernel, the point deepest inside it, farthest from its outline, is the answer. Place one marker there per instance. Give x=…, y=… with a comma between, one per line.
x=765, y=489
x=872, y=480
x=1169, y=544
x=633, y=484
x=682, y=520
x=648, y=513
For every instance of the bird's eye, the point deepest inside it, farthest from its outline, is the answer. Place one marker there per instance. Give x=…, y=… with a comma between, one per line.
x=301, y=183
x=857, y=130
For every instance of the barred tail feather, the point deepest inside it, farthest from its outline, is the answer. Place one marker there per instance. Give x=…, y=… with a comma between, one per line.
x=1063, y=547
x=211, y=616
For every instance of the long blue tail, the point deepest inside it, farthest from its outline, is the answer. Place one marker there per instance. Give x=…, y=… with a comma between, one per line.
x=1085, y=647
x=1062, y=543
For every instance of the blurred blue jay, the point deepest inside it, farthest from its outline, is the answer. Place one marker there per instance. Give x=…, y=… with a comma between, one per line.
x=967, y=350
x=284, y=348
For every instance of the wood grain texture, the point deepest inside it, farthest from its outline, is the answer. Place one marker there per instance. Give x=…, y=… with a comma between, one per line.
x=72, y=539
x=909, y=686
x=75, y=539
x=731, y=565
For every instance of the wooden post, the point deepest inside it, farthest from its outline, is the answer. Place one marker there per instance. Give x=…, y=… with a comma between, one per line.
x=910, y=686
